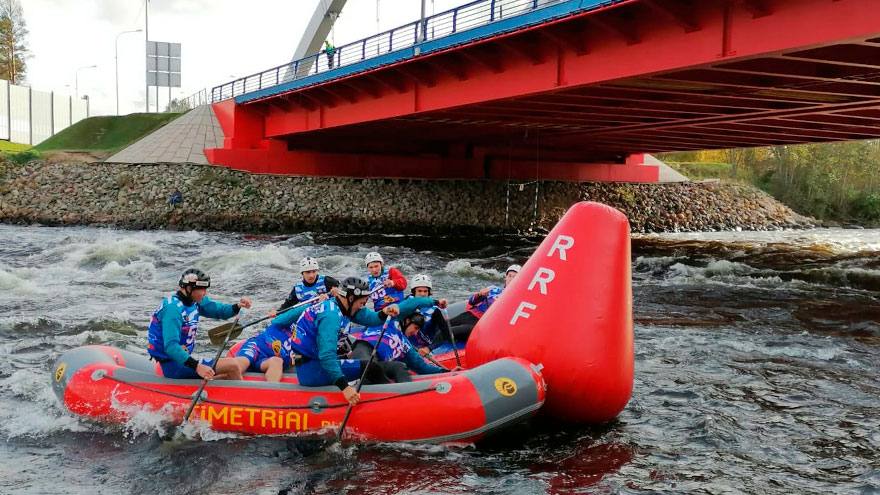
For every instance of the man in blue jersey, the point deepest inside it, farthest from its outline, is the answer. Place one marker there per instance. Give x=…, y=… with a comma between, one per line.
x=172, y=333
x=312, y=284
x=315, y=335
x=478, y=304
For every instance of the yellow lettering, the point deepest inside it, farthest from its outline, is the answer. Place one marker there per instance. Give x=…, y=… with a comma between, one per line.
x=292, y=417
x=267, y=416
x=305, y=421
x=235, y=416
x=325, y=424
x=252, y=412
x=218, y=414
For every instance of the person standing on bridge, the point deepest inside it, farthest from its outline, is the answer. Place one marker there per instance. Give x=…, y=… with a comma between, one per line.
x=330, y=50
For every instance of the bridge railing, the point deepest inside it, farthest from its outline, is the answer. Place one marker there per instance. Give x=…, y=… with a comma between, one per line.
x=462, y=18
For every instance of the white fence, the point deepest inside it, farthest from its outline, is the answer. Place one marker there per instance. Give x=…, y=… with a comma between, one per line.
x=29, y=117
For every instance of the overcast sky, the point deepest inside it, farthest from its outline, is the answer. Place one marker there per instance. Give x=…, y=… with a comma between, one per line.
x=222, y=39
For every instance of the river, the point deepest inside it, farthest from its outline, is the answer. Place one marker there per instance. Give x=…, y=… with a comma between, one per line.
x=756, y=368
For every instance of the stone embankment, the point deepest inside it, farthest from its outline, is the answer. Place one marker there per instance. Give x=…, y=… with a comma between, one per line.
x=136, y=196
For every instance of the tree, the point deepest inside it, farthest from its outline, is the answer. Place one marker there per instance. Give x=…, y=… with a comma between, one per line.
x=13, y=42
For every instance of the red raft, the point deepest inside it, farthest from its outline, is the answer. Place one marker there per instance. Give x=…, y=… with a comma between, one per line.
x=111, y=385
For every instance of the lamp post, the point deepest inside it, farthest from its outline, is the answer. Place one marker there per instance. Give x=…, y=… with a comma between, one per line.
x=77, y=76
x=117, y=63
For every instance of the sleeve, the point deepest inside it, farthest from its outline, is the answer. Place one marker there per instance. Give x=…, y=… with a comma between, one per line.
x=213, y=309
x=415, y=362
x=290, y=317
x=475, y=298
x=328, y=327
x=171, y=325
x=369, y=318
x=330, y=282
x=397, y=277
x=290, y=301
x=409, y=305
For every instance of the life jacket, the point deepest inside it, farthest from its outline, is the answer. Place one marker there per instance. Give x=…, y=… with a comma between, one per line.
x=304, y=334
x=190, y=314
x=386, y=295
x=394, y=345
x=426, y=335
x=305, y=292
x=479, y=307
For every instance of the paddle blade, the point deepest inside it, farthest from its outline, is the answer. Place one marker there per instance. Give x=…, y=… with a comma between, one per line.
x=218, y=335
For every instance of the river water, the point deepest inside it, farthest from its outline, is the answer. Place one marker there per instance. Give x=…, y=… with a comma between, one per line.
x=756, y=368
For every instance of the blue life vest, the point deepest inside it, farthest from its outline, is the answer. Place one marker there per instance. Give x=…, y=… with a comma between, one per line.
x=304, y=335
x=190, y=314
x=386, y=295
x=394, y=345
x=305, y=292
x=480, y=307
x=426, y=335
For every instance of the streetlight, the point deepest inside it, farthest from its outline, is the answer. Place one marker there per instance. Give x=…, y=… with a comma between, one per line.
x=77, y=76
x=117, y=63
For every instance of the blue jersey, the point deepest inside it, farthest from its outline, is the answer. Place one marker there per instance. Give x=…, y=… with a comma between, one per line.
x=176, y=324
x=394, y=343
x=396, y=347
x=318, y=330
x=425, y=336
x=305, y=292
x=385, y=295
x=477, y=305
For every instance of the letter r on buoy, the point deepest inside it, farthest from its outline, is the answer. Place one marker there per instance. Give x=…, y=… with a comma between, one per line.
x=562, y=243
x=520, y=311
x=542, y=277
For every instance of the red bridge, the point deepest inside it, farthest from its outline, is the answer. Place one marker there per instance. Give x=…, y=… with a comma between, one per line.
x=563, y=90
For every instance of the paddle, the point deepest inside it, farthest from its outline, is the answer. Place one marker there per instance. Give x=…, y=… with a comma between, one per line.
x=363, y=375
x=452, y=340
x=232, y=330
x=434, y=361
x=213, y=367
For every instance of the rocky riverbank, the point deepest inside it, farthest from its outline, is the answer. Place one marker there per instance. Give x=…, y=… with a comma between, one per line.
x=136, y=196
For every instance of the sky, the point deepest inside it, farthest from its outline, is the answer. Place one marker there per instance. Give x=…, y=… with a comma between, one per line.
x=221, y=40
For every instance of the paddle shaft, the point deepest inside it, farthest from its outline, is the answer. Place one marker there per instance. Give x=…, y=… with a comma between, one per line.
x=434, y=361
x=452, y=341
x=213, y=367
x=361, y=381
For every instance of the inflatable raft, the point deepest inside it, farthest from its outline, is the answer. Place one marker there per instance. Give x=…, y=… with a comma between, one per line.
x=569, y=311
x=110, y=385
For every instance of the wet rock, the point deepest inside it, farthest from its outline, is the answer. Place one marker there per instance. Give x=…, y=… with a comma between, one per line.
x=135, y=196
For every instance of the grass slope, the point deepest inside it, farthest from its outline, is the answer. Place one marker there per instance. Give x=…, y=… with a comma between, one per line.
x=7, y=147
x=107, y=134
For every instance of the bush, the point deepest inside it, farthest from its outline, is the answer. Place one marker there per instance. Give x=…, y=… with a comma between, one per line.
x=23, y=157
x=866, y=206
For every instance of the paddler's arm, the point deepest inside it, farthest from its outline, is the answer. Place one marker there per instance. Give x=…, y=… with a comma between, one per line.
x=328, y=324
x=289, y=317
x=213, y=309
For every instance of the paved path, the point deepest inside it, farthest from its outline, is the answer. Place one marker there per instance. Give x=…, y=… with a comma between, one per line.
x=182, y=140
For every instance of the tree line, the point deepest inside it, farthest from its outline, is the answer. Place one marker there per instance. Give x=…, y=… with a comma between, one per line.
x=831, y=181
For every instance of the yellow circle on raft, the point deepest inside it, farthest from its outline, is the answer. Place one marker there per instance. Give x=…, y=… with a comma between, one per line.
x=59, y=372
x=505, y=386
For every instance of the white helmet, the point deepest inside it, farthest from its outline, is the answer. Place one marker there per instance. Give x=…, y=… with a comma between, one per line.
x=513, y=268
x=308, y=264
x=421, y=280
x=373, y=256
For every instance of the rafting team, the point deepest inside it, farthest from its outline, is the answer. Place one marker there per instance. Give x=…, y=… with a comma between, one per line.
x=311, y=332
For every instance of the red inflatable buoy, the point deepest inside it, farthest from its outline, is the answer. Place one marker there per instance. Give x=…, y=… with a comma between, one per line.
x=570, y=310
